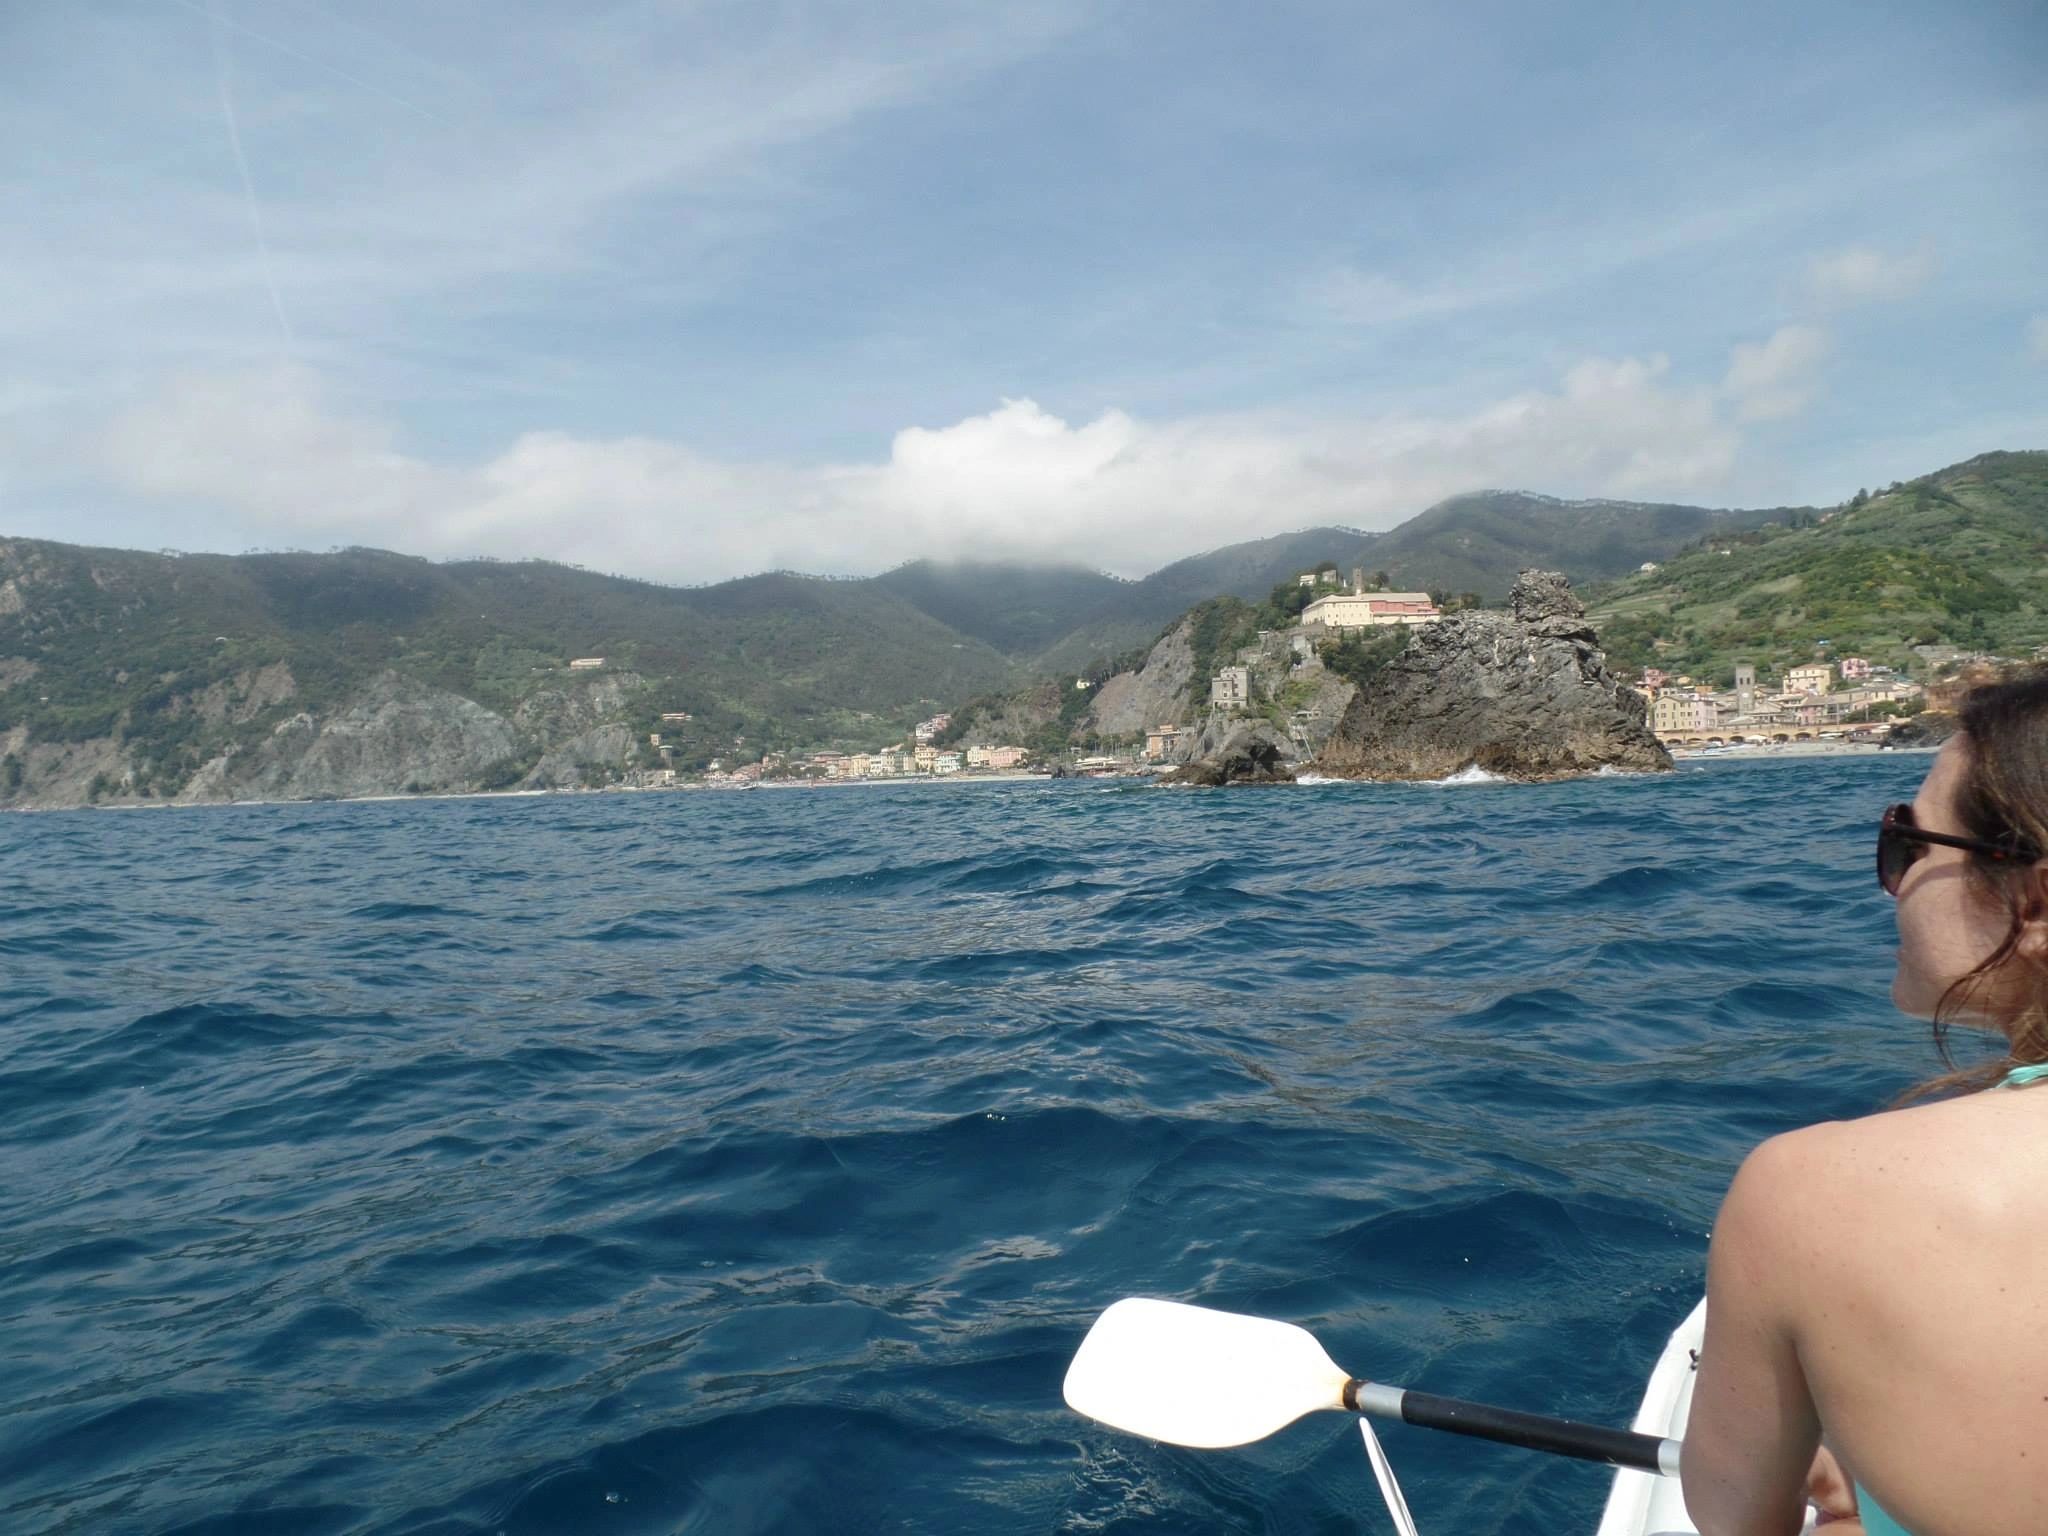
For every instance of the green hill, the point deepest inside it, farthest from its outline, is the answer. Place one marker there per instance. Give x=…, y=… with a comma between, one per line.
x=1479, y=543
x=1959, y=557
x=99, y=643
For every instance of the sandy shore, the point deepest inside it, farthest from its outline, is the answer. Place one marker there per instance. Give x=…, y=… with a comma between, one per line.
x=1795, y=749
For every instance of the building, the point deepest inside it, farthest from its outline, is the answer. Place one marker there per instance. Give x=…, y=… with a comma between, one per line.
x=1370, y=610
x=946, y=762
x=1672, y=712
x=1159, y=741
x=1814, y=677
x=1855, y=669
x=1007, y=757
x=1231, y=688
x=1653, y=679
x=586, y=663
x=676, y=717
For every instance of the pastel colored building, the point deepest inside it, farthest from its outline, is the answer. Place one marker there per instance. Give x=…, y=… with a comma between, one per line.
x=1674, y=712
x=1370, y=610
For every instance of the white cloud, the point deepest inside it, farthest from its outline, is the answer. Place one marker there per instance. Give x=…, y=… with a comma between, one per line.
x=1772, y=379
x=1864, y=274
x=2037, y=338
x=270, y=456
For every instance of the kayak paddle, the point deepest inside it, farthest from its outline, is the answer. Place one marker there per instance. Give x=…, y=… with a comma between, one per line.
x=1197, y=1377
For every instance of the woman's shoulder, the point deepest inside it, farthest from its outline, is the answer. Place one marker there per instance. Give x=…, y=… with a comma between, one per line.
x=1845, y=1174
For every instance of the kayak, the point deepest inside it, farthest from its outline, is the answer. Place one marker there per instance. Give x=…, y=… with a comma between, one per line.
x=1640, y=1503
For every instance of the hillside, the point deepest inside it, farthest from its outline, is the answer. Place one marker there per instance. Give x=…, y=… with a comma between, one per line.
x=1479, y=543
x=1959, y=557
x=157, y=653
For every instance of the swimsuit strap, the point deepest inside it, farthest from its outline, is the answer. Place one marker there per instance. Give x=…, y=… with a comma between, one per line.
x=2019, y=1077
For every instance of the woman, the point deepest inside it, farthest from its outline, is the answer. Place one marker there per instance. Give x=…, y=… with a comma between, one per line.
x=1884, y=1281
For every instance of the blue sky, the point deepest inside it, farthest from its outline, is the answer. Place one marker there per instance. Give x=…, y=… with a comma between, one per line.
x=692, y=289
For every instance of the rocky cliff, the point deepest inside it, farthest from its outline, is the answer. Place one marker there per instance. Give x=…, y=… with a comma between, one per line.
x=1525, y=694
x=395, y=735
x=1158, y=693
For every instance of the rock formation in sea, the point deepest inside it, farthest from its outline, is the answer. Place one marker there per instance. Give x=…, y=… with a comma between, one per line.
x=1254, y=753
x=1525, y=694
x=1928, y=729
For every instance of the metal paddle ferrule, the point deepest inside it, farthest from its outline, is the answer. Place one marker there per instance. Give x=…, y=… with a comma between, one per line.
x=1532, y=1431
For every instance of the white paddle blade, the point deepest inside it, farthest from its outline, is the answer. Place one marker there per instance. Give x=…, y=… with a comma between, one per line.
x=1195, y=1377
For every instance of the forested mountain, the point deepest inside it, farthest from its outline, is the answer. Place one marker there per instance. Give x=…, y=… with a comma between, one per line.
x=1479, y=543
x=151, y=650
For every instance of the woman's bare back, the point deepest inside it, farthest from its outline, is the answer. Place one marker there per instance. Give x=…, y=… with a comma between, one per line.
x=1920, y=1310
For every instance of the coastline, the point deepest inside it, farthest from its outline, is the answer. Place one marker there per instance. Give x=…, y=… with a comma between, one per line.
x=1776, y=751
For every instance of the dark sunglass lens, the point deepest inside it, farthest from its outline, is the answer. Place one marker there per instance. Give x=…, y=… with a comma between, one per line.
x=1893, y=855
x=1895, y=850
x=1897, y=846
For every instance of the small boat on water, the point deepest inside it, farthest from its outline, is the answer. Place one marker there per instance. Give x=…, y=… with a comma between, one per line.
x=1641, y=1503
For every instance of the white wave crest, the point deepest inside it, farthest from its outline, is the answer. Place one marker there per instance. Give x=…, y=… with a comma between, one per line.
x=1471, y=773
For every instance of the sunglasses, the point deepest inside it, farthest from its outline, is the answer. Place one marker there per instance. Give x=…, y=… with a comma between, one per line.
x=1900, y=842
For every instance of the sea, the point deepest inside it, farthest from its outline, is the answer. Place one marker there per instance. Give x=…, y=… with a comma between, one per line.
x=754, y=1162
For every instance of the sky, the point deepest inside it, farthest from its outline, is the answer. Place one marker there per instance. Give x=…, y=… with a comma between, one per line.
x=686, y=289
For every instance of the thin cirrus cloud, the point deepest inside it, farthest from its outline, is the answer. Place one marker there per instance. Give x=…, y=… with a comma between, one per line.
x=280, y=463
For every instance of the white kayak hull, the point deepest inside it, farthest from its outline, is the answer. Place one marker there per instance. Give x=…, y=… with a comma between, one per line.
x=1641, y=1504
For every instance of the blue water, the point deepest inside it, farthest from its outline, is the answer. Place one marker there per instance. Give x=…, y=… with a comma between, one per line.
x=734, y=1163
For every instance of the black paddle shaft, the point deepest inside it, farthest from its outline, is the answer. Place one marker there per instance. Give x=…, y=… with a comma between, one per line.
x=1561, y=1437
x=1533, y=1431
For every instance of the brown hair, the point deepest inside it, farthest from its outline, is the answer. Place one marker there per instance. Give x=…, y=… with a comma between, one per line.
x=2003, y=793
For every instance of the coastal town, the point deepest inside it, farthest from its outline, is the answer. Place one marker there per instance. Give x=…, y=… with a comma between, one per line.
x=1853, y=699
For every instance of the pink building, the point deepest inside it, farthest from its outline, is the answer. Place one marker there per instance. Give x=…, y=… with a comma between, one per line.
x=1854, y=667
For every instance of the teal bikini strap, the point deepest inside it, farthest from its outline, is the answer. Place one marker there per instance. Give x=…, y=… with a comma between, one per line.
x=2019, y=1077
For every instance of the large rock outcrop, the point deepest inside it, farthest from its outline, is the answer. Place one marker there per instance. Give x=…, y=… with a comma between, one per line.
x=1254, y=753
x=1525, y=694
